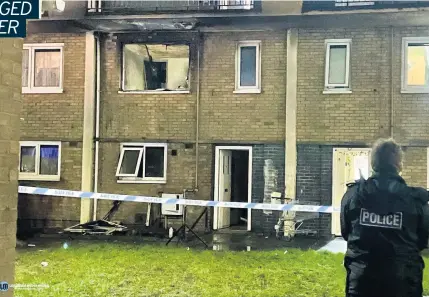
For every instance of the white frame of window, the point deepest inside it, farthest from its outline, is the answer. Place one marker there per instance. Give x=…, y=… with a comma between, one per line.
x=405, y=88
x=133, y=179
x=248, y=89
x=32, y=47
x=36, y=176
x=121, y=158
x=337, y=87
x=122, y=79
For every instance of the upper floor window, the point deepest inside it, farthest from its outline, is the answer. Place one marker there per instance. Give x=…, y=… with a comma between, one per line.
x=39, y=160
x=248, y=67
x=337, y=65
x=155, y=67
x=142, y=163
x=42, y=68
x=415, y=65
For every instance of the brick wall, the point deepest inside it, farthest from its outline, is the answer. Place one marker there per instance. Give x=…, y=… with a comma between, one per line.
x=241, y=117
x=314, y=184
x=56, y=117
x=360, y=116
x=415, y=166
x=10, y=107
x=364, y=115
x=262, y=222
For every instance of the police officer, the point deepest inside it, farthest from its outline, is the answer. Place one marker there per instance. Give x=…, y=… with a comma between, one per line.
x=386, y=226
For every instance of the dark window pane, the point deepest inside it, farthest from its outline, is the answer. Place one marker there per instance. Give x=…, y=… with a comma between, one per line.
x=49, y=159
x=28, y=159
x=129, y=162
x=248, y=66
x=154, y=166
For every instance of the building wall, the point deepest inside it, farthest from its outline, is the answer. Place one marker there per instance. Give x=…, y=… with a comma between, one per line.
x=359, y=118
x=323, y=120
x=226, y=116
x=56, y=117
x=265, y=221
x=10, y=108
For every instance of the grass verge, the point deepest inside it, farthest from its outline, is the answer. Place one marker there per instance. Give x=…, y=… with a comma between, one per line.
x=117, y=269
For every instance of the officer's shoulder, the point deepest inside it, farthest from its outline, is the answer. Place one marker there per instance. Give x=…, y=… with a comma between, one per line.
x=420, y=194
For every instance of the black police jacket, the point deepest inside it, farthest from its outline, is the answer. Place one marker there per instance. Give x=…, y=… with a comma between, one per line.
x=386, y=226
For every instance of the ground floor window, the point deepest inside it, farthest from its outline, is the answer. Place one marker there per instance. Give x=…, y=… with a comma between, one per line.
x=40, y=160
x=142, y=162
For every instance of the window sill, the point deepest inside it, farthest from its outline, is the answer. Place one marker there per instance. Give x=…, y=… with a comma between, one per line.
x=337, y=91
x=415, y=91
x=247, y=91
x=39, y=178
x=42, y=91
x=140, y=181
x=155, y=92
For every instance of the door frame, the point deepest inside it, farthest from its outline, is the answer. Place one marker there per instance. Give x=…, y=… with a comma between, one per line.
x=335, y=165
x=216, y=182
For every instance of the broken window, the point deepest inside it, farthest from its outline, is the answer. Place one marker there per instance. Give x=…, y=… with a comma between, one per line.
x=248, y=68
x=337, y=64
x=39, y=160
x=415, y=65
x=42, y=66
x=142, y=163
x=155, y=67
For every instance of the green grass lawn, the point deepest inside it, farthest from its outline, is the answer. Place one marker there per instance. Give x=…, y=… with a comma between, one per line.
x=117, y=269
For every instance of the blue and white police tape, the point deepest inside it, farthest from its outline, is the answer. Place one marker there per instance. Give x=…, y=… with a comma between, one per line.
x=205, y=203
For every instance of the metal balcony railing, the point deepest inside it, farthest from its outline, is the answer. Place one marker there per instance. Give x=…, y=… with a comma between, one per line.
x=162, y=6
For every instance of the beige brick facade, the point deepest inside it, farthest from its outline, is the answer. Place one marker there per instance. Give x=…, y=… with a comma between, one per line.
x=10, y=107
x=226, y=116
x=57, y=117
x=355, y=119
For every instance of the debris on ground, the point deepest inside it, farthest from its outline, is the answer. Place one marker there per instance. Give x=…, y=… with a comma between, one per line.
x=44, y=264
x=97, y=227
x=31, y=245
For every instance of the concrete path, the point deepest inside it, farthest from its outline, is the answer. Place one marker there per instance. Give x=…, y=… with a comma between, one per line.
x=338, y=245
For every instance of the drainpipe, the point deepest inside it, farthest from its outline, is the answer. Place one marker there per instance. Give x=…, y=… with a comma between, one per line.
x=97, y=121
x=392, y=116
x=197, y=129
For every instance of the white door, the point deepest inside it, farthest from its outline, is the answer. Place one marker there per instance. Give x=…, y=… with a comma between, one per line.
x=225, y=160
x=348, y=165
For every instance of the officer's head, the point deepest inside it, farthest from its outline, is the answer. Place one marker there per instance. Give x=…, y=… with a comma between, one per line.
x=386, y=156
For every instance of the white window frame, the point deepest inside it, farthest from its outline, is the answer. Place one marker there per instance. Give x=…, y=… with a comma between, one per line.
x=122, y=81
x=31, y=89
x=405, y=88
x=337, y=88
x=36, y=175
x=248, y=89
x=132, y=178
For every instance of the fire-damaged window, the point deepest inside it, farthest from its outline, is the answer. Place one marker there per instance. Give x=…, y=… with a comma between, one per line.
x=142, y=162
x=40, y=160
x=415, y=65
x=155, y=67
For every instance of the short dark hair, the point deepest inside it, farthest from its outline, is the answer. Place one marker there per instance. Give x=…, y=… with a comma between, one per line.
x=386, y=156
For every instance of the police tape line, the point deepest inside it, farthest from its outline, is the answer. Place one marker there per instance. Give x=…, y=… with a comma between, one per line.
x=132, y=198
